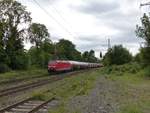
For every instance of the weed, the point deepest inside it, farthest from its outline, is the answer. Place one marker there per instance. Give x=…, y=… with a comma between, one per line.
x=38, y=96
x=131, y=109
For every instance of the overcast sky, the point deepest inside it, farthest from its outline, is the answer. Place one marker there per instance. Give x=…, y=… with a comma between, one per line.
x=89, y=23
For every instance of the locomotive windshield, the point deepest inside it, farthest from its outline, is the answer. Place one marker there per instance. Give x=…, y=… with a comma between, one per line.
x=51, y=62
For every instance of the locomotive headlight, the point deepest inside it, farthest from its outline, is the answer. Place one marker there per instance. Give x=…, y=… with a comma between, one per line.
x=51, y=66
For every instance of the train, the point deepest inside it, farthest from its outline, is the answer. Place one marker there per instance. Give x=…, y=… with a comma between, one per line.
x=66, y=65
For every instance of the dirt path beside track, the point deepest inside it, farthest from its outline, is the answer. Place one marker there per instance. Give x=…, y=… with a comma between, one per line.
x=100, y=99
x=113, y=96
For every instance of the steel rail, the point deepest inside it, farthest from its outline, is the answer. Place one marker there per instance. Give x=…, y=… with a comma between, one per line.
x=56, y=78
x=35, y=109
x=16, y=89
x=20, y=79
x=40, y=106
x=14, y=105
x=24, y=87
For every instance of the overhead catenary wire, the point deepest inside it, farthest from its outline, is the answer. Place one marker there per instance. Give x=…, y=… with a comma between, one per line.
x=61, y=16
x=62, y=26
x=51, y=16
x=58, y=12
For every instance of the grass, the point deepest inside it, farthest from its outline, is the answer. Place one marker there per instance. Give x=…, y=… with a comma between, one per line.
x=60, y=109
x=131, y=109
x=68, y=88
x=23, y=74
x=135, y=86
x=137, y=92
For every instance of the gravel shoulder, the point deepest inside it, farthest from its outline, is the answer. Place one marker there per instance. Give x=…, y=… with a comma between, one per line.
x=114, y=94
x=101, y=99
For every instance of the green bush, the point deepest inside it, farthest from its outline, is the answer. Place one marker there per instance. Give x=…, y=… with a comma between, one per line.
x=117, y=55
x=39, y=57
x=4, y=68
x=20, y=62
x=38, y=96
x=147, y=71
x=121, y=69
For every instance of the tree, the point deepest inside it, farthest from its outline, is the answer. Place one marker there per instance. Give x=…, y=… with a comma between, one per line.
x=77, y=55
x=47, y=49
x=92, y=53
x=13, y=17
x=37, y=34
x=89, y=56
x=137, y=57
x=143, y=32
x=14, y=20
x=145, y=56
x=47, y=46
x=92, y=57
x=117, y=55
x=85, y=56
x=40, y=57
x=66, y=50
x=3, y=56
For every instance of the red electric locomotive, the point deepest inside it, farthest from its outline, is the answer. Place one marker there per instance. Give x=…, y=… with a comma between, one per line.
x=59, y=65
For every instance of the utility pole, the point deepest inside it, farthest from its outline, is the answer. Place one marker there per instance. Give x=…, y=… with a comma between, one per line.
x=109, y=45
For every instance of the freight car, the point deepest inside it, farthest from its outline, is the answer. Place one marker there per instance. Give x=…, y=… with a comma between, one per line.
x=64, y=65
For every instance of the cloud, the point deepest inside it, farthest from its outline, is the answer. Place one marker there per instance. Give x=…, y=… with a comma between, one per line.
x=120, y=16
x=92, y=22
x=97, y=7
x=45, y=2
x=100, y=43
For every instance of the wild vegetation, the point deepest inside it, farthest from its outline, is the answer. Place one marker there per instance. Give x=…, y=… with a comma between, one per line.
x=134, y=86
x=143, y=32
x=12, y=75
x=117, y=55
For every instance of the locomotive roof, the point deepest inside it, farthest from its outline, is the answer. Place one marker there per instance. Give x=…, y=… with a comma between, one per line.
x=74, y=62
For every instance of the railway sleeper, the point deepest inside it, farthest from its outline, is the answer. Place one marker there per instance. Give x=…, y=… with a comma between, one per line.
x=32, y=106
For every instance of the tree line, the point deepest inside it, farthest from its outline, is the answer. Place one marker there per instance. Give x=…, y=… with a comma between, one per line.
x=16, y=28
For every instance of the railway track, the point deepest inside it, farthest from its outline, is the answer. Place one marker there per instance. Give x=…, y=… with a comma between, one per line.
x=12, y=90
x=24, y=87
x=30, y=106
x=19, y=107
x=20, y=79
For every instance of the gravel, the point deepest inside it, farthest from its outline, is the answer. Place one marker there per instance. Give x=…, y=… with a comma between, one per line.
x=101, y=99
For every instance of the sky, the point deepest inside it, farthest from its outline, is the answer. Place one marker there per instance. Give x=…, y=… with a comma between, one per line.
x=90, y=23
